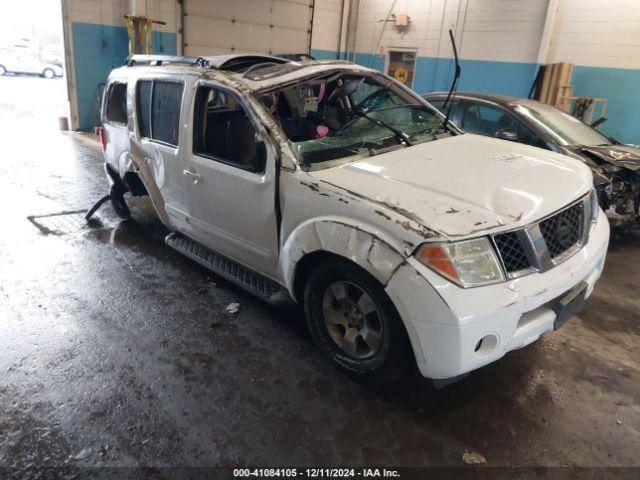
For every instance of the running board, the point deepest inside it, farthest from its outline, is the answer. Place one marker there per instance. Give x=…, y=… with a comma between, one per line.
x=262, y=287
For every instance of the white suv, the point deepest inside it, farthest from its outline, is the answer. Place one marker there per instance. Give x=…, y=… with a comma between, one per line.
x=336, y=187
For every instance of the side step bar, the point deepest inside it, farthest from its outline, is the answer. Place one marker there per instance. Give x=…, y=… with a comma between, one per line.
x=242, y=276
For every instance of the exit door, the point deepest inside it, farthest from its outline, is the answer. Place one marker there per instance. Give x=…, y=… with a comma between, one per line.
x=401, y=65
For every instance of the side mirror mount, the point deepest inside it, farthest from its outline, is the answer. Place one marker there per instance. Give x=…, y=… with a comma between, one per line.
x=507, y=135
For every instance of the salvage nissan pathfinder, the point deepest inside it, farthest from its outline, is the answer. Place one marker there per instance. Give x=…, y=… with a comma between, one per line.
x=334, y=186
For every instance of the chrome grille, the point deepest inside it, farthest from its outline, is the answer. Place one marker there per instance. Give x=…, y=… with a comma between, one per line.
x=542, y=245
x=512, y=252
x=564, y=230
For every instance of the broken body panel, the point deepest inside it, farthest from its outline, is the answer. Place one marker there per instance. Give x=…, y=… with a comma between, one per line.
x=375, y=211
x=615, y=167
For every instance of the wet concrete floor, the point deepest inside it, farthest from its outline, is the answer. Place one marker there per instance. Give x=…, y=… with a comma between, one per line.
x=116, y=351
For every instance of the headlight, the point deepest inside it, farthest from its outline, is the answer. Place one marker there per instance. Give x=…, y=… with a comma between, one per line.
x=468, y=263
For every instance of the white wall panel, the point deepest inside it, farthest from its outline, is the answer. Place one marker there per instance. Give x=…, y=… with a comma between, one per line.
x=112, y=12
x=237, y=26
x=498, y=30
x=597, y=33
x=326, y=25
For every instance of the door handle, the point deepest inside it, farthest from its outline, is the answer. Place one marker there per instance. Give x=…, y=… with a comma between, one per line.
x=195, y=176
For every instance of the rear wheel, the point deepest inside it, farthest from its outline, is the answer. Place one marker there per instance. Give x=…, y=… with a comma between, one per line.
x=354, y=323
x=3, y=71
x=48, y=73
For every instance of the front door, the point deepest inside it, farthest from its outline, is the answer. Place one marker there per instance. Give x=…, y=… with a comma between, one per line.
x=156, y=147
x=230, y=180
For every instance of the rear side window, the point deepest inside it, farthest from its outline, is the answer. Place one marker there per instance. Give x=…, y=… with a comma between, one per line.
x=116, y=110
x=144, y=107
x=223, y=130
x=158, y=104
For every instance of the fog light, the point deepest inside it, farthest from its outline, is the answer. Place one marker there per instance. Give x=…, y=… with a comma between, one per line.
x=486, y=346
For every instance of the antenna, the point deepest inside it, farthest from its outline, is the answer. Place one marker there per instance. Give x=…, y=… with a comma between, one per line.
x=454, y=84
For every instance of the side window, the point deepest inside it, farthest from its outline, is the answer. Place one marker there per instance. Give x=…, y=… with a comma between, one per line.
x=486, y=120
x=438, y=103
x=223, y=130
x=165, y=111
x=525, y=135
x=143, y=100
x=158, y=105
x=116, y=108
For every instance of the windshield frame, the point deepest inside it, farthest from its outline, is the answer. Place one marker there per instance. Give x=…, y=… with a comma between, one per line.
x=335, y=73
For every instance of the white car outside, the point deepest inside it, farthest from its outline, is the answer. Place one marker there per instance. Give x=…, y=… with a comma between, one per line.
x=25, y=62
x=336, y=187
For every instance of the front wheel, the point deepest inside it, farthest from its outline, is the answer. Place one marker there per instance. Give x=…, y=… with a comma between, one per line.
x=48, y=73
x=3, y=71
x=354, y=323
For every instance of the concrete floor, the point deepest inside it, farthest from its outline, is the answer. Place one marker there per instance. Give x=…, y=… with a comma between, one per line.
x=116, y=351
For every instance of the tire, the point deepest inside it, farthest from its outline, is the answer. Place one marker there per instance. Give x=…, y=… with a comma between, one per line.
x=382, y=357
x=3, y=71
x=119, y=204
x=48, y=73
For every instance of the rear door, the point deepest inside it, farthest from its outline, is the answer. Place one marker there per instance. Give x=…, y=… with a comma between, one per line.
x=156, y=145
x=230, y=179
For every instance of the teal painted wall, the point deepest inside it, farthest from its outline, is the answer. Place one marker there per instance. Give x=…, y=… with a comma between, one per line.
x=97, y=49
x=434, y=74
x=621, y=88
x=323, y=54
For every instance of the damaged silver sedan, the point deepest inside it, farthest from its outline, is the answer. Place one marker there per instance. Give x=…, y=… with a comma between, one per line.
x=335, y=187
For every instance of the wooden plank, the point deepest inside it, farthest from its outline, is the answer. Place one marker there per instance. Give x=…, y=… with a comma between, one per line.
x=544, y=87
x=553, y=86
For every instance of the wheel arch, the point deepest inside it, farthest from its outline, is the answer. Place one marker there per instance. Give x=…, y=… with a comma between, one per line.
x=314, y=241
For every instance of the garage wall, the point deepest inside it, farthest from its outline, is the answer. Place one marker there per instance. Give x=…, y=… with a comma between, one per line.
x=327, y=24
x=501, y=41
x=237, y=26
x=497, y=41
x=602, y=40
x=99, y=42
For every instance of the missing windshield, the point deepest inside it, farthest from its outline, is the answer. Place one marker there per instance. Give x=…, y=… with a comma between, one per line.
x=345, y=115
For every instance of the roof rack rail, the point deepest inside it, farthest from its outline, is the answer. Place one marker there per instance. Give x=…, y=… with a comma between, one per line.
x=158, y=60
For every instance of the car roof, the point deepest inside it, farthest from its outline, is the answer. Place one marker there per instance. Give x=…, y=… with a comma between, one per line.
x=233, y=67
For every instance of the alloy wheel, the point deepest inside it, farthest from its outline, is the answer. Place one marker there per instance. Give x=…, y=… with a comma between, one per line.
x=352, y=320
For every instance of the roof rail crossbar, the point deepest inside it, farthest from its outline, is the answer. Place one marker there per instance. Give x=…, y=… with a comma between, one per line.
x=157, y=60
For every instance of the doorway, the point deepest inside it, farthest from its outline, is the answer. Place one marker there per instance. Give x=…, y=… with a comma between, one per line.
x=32, y=75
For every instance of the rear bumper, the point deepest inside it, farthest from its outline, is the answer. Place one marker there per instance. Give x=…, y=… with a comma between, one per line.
x=446, y=323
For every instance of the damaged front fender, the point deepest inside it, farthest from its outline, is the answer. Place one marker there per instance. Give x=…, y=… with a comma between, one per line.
x=356, y=243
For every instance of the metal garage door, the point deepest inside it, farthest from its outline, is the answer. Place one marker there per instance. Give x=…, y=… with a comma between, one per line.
x=214, y=27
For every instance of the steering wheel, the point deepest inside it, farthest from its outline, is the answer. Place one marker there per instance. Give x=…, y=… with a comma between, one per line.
x=348, y=87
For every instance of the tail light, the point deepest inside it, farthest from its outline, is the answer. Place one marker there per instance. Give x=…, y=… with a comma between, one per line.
x=103, y=140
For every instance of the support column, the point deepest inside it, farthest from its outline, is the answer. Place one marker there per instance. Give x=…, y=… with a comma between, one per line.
x=547, y=31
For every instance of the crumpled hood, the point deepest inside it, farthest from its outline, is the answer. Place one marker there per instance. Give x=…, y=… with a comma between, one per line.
x=465, y=184
x=625, y=156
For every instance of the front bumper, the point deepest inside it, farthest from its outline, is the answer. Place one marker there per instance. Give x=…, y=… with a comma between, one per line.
x=446, y=323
